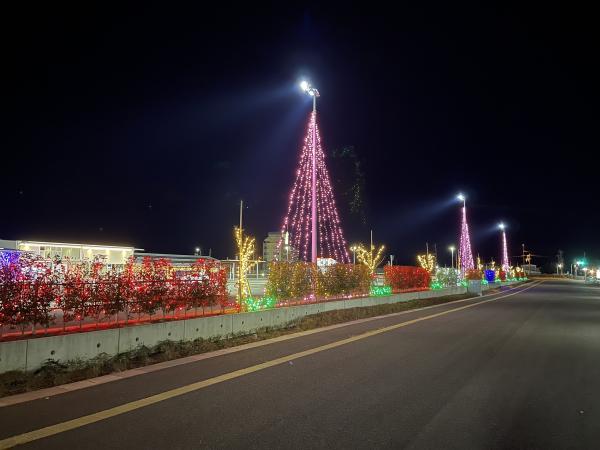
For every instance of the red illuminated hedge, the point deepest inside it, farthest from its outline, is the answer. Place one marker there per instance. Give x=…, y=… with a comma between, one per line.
x=31, y=287
x=406, y=277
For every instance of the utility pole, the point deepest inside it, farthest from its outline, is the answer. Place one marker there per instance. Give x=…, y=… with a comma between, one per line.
x=240, y=256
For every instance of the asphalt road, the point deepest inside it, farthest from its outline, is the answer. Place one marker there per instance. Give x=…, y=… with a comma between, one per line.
x=518, y=371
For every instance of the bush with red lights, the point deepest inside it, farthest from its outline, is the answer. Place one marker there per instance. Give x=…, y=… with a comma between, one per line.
x=30, y=288
x=403, y=278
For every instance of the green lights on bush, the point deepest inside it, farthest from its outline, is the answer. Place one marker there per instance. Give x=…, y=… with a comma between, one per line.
x=258, y=304
x=381, y=291
x=436, y=285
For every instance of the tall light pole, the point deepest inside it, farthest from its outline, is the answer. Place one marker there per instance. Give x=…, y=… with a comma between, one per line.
x=314, y=93
x=353, y=248
x=504, y=264
x=451, y=248
x=240, y=274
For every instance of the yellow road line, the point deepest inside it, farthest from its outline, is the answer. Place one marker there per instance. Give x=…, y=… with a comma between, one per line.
x=137, y=404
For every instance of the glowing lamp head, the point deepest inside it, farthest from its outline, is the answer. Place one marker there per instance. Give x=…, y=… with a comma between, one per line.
x=461, y=197
x=304, y=85
x=501, y=226
x=451, y=248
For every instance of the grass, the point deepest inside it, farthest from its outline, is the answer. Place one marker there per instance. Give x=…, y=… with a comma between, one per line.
x=54, y=373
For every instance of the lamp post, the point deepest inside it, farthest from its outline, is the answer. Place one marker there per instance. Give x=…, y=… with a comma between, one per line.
x=314, y=93
x=451, y=248
x=353, y=249
x=504, y=262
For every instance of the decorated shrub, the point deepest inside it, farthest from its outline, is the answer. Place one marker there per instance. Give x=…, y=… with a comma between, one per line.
x=31, y=287
x=343, y=279
x=406, y=277
x=474, y=275
x=290, y=280
x=502, y=275
x=294, y=280
x=446, y=277
x=490, y=276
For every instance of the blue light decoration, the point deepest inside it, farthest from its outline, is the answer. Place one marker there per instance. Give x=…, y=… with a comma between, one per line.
x=490, y=276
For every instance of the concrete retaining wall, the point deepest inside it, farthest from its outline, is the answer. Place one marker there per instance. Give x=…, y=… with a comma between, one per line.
x=30, y=354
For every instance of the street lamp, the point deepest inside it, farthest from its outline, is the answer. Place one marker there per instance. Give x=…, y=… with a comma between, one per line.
x=353, y=249
x=314, y=93
x=462, y=198
x=310, y=90
x=452, y=248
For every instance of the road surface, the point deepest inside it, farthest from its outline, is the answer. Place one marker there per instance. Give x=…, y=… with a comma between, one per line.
x=520, y=369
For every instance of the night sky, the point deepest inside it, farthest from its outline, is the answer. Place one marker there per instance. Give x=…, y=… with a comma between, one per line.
x=146, y=126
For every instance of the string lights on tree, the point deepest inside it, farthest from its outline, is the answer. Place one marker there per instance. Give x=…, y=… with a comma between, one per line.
x=427, y=262
x=371, y=257
x=466, y=254
x=312, y=219
x=245, y=247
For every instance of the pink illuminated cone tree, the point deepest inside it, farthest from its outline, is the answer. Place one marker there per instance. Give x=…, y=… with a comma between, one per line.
x=312, y=198
x=466, y=254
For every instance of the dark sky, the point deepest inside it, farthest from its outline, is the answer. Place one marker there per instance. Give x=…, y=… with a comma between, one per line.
x=146, y=125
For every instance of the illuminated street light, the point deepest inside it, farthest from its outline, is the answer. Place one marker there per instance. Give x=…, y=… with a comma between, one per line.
x=452, y=248
x=353, y=249
x=310, y=90
x=504, y=264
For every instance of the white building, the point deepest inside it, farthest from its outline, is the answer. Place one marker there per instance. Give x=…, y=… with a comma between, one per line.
x=272, y=251
x=110, y=254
